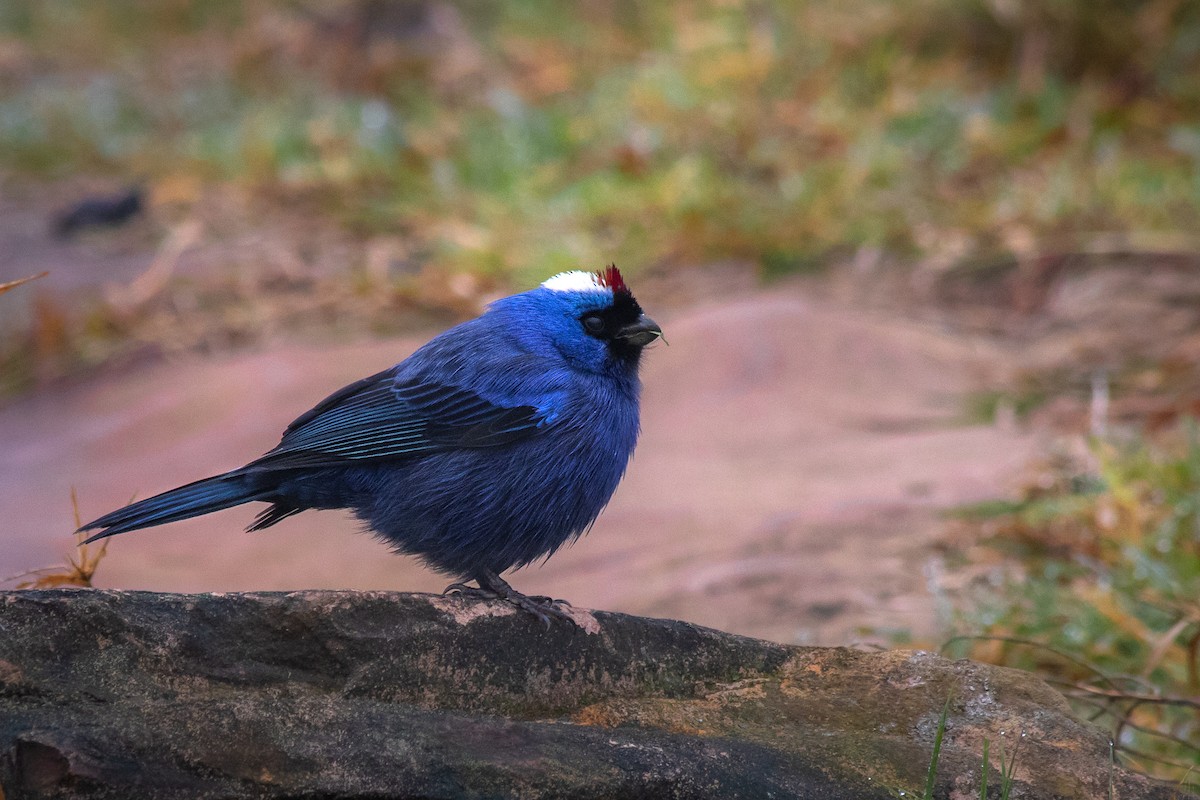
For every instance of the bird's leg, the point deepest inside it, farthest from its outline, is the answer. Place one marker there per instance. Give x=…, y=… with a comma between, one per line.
x=493, y=587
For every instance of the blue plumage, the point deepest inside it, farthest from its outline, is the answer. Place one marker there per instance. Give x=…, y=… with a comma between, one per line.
x=488, y=448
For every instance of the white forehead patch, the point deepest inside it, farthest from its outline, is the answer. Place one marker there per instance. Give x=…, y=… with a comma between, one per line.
x=575, y=281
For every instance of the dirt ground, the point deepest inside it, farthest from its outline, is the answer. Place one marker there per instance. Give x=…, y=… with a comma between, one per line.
x=797, y=451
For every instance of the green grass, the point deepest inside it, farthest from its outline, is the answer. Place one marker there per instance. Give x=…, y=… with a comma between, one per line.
x=1097, y=589
x=931, y=775
x=789, y=136
x=786, y=134
x=1007, y=768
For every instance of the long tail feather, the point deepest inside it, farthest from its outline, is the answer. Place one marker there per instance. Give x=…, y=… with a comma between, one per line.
x=192, y=500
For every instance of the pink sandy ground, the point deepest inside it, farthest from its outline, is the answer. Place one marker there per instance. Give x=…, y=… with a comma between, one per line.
x=794, y=460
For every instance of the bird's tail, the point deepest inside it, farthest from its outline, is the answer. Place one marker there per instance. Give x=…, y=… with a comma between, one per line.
x=192, y=500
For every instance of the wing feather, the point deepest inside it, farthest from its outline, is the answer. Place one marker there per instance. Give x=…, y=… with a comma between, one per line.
x=378, y=419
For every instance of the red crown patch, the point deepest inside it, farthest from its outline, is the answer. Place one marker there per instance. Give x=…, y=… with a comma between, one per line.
x=610, y=276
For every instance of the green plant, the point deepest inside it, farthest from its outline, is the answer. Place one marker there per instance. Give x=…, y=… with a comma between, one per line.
x=1007, y=768
x=790, y=136
x=782, y=133
x=1098, y=592
x=1007, y=771
x=931, y=775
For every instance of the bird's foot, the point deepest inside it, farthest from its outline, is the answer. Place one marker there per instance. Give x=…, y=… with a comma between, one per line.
x=493, y=587
x=545, y=600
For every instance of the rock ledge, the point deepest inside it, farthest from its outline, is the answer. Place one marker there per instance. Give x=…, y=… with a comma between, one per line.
x=107, y=694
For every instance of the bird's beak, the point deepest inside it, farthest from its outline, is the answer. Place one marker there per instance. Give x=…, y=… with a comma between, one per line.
x=640, y=333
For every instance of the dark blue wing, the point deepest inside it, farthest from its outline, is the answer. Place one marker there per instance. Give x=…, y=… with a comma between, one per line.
x=377, y=419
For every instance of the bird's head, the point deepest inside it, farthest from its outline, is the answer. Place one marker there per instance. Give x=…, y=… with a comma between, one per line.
x=591, y=318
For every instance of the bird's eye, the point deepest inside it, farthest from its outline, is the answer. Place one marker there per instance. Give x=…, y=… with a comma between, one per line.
x=593, y=323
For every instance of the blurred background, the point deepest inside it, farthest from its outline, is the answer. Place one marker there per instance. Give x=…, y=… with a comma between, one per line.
x=928, y=270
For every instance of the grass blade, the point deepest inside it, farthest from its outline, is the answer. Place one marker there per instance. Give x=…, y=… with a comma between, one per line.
x=937, y=751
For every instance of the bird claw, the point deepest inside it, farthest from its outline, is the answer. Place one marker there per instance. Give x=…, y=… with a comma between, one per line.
x=492, y=587
x=471, y=591
x=545, y=600
x=541, y=610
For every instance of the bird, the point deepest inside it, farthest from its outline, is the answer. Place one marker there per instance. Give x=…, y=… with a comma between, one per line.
x=490, y=447
x=100, y=211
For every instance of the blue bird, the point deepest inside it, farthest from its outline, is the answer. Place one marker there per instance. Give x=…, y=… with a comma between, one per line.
x=492, y=446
